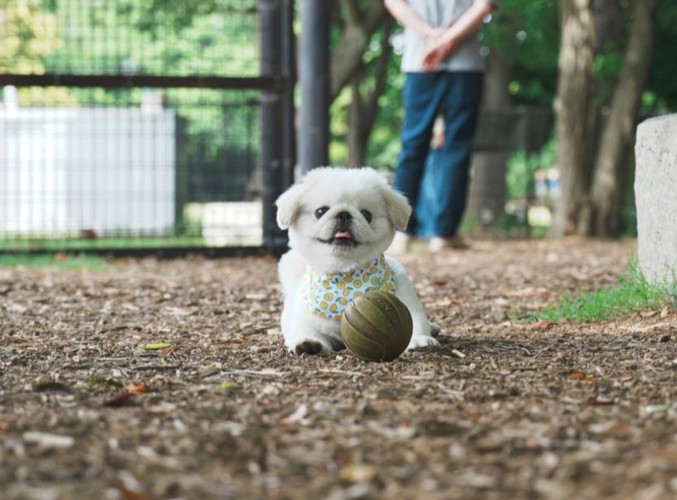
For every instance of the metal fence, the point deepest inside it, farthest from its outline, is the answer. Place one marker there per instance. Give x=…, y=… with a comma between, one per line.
x=143, y=123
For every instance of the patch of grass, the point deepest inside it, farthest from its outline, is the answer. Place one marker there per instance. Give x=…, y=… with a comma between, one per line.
x=632, y=293
x=74, y=244
x=58, y=261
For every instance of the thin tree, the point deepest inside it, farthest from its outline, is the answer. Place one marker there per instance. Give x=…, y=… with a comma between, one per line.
x=572, y=105
x=364, y=102
x=593, y=187
x=610, y=178
x=357, y=22
x=356, y=25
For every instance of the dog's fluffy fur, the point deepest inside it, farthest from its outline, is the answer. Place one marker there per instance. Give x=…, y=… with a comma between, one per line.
x=338, y=220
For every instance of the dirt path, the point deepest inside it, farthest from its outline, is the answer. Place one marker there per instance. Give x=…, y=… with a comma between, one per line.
x=504, y=410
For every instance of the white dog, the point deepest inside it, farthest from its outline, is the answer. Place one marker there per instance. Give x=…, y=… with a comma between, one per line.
x=340, y=222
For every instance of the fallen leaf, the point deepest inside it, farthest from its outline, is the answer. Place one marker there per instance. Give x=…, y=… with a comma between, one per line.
x=127, y=493
x=167, y=351
x=358, y=473
x=621, y=429
x=582, y=377
x=136, y=389
x=155, y=347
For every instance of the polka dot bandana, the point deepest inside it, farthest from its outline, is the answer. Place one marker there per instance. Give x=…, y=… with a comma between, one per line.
x=328, y=295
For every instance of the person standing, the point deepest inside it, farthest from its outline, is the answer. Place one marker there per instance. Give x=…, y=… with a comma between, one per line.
x=444, y=76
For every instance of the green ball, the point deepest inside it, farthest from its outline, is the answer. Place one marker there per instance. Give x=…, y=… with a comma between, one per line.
x=376, y=326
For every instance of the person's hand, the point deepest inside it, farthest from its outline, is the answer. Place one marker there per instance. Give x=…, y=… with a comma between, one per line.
x=439, y=48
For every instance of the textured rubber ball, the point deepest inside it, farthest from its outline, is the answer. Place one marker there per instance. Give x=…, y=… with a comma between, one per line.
x=376, y=326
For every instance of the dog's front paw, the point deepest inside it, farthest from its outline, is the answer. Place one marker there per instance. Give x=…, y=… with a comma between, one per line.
x=316, y=346
x=309, y=347
x=435, y=329
x=419, y=341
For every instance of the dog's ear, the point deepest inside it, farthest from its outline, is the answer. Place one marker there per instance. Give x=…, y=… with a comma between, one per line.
x=397, y=207
x=288, y=205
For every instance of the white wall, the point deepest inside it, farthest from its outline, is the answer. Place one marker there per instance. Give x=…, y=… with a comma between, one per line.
x=110, y=170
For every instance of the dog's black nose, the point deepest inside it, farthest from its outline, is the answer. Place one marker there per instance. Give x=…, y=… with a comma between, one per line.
x=344, y=216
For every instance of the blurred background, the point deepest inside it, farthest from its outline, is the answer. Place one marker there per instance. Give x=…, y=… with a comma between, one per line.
x=149, y=124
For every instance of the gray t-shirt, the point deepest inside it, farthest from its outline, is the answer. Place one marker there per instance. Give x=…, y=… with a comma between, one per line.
x=442, y=13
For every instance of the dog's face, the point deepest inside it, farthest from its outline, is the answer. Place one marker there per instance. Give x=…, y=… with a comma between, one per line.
x=340, y=218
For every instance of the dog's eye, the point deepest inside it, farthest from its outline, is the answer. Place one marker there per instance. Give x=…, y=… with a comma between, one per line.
x=367, y=215
x=320, y=212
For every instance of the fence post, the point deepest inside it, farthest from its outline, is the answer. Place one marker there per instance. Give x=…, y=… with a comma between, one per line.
x=314, y=64
x=288, y=106
x=270, y=30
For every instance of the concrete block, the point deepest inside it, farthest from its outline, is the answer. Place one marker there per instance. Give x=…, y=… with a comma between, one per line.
x=656, y=198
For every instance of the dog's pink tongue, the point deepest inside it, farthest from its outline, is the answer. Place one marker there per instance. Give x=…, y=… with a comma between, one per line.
x=343, y=234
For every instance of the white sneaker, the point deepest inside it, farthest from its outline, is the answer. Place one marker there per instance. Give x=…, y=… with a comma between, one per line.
x=454, y=243
x=401, y=244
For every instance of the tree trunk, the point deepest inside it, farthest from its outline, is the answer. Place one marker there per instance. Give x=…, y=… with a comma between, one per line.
x=356, y=33
x=486, y=198
x=609, y=18
x=364, y=104
x=357, y=145
x=571, y=110
x=610, y=180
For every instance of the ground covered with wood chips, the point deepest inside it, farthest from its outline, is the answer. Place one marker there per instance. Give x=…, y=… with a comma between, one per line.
x=505, y=410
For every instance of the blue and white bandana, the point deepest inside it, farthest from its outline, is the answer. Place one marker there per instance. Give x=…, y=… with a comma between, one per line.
x=328, y=295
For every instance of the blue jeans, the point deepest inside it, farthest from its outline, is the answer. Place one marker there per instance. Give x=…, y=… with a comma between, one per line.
x=439, y=201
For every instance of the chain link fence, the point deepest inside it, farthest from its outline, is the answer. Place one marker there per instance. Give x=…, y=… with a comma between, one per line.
x=135, y=123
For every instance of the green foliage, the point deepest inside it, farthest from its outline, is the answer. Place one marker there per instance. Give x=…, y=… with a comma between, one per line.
x=384, y=143
x=28, y=34
x=156, y=37
x=607, y=66
x=135, y=37
x=338, y=127
x=21, y=248
x=527, y=34
x=218, y=37
x=632, y=293
x=59, y=261
x=522, y=166
x=661, y=84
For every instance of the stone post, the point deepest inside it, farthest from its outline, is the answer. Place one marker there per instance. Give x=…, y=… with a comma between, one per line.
x=656, y=198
